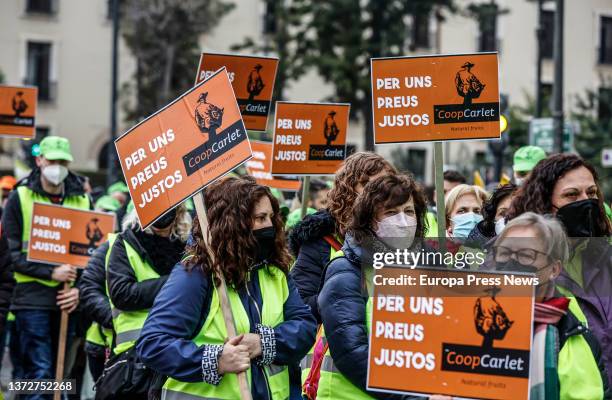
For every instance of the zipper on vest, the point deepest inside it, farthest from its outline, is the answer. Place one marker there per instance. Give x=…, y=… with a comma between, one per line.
x=263, y=369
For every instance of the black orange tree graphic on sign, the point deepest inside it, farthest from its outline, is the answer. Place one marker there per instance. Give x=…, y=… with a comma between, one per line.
x=330, y=128
x=208, y=116
x=19, y=104
x=255, y=84
x=93, y=232
x=468, y=85
x=490, y=319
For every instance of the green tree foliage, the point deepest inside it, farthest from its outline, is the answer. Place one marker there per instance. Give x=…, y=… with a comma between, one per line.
x=593, y=111
x=279, y=39
x=337, y=38
x=163, y=37
x=360, y=30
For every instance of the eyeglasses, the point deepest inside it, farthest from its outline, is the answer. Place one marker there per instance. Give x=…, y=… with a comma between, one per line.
x=524, y=256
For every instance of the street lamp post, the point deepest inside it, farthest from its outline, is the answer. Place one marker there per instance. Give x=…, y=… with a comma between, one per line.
x=558, y=84
x=112, y=155
x=539, y=37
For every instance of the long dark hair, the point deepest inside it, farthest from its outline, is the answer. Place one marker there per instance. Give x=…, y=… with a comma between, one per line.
x=536, y=193
x=356, y=169
x=230, y=204
x=386, y=192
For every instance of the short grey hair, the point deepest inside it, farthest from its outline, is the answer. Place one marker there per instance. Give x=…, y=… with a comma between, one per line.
x=550, y=230
x=180, y=230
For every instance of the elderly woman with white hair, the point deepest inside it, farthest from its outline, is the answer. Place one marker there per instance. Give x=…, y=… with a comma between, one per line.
x=536, y=244
x=138, y=265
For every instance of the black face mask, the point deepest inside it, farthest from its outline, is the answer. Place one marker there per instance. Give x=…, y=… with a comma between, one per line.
x=513, y=265
x=265, y=242
x=166, y=220
x=580, y=218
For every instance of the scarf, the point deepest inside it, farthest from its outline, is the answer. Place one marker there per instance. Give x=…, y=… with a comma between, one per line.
x=545, y=349
x=164, y=253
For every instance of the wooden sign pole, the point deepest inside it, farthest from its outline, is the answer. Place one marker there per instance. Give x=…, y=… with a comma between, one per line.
x=305, y=195
x=61, y=349
x=230, y=324
x=439, y=184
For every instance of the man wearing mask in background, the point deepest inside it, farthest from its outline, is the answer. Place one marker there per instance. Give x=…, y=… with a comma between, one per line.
x=525, y=159
x=39, y=296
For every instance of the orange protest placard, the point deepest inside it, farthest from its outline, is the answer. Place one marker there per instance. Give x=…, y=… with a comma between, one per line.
x=184, y=147
x=63, y=235
x=18, y=111
x=309, y=138
x=453, y=332
x=253, y=82
x=435, y=98
x=260, y=165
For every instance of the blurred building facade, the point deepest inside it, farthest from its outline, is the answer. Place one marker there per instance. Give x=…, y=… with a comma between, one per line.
x=64, y=46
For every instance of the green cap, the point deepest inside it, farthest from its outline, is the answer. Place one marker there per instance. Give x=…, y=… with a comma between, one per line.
x=55, y=148
x=526, y=157
x=295, y=216
x=108, y=203
x=117, y=187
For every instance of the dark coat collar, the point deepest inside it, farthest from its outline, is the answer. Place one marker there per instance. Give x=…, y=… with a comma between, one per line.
x=312, y=227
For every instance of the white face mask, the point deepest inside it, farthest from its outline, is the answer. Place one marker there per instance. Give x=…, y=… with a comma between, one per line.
x=55, y=174
x=397, y=231
x=499, y=225
x=519, y=181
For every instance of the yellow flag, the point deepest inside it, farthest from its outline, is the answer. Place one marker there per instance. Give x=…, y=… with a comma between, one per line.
x=478, y=181
x=504, y=180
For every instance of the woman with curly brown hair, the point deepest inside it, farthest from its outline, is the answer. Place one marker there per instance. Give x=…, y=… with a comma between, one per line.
x=315, y=240
x=567, y=187
x=388, y=215
x=185, y=336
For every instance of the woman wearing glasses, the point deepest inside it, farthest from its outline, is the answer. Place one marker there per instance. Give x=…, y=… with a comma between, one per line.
x=536, y=244
x=567, y=187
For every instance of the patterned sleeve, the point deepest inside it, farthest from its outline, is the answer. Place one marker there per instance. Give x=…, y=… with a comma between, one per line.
x=268, y=345
x=210, y=363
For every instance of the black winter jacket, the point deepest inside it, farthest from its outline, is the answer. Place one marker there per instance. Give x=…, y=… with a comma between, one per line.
x=343, y=311
x=32, y=295
x=92, y=286
x=312, y=251
x=480, y=237
x=125, y=291
x=7, y=283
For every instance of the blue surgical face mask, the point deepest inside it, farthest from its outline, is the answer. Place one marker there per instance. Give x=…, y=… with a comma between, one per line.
x=464, y=223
